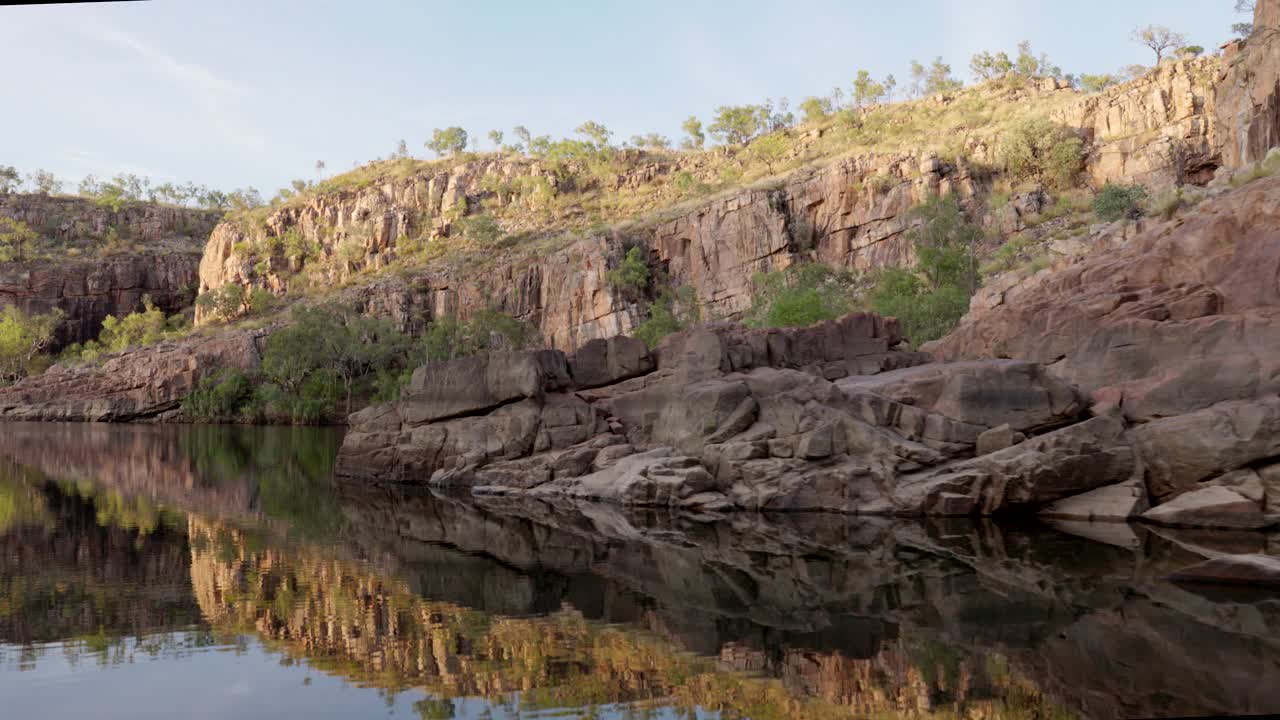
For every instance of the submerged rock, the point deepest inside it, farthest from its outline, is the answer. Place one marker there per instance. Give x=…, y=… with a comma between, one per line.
x=1233, y=570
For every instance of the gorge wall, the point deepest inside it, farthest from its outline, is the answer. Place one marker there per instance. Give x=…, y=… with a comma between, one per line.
x=96, y=261
x=850, y=213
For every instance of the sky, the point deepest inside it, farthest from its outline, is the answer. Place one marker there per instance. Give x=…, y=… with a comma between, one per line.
x=236, y=93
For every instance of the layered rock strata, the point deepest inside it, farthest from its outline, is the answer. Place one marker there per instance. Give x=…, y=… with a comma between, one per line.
x=139, y=384
x=159, y=258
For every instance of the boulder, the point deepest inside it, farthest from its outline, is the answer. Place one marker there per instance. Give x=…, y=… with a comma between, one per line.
x=1181, y=451
x=1049, y=467
x=985, y=393
x=1215, y=506
x=657, y=478
x=1116, y=503
x=604, y=362
x=1253, y=569
x=469, y=385
x=998, y=438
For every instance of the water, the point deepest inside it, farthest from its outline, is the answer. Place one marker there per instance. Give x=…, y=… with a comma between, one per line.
x=213, y=572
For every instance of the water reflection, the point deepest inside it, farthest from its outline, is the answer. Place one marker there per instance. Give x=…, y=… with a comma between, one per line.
x=200, y=553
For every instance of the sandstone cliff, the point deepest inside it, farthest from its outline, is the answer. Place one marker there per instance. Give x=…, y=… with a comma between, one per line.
x=850, y=212
x=1248, y=106
x=91, y=261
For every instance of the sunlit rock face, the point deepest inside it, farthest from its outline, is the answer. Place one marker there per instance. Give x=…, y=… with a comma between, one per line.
x=156, y=255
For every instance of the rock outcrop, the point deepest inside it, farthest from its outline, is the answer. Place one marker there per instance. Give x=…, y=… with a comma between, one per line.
x=1248, y=102
x=156, y=254
x=139, y=384
x=1183, y=316
x=832, y=417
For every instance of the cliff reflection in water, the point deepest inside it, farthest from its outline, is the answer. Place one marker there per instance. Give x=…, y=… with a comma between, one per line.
x=221, y=532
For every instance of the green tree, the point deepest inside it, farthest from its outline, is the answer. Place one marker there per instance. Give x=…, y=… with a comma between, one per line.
x=930, y=299
x=595, y=133
x=770, y=149
x=736, y=124
x=1097, y=83
x=939, y=79
x=495, y=137
x=1160, y=39
x=986, y=66
x=23, y=337
x=525, y=137
x=1116, y=202
x=447, y=141
x=45, y=182
x=815, y=108
x=15, y=238
x=866, y=91
x=799, y=295
x=1037, y=149
x=673, y=311
x=631, y=276
x=225, y=303
x=10, y=178
x=489, y=330
x=692, y=127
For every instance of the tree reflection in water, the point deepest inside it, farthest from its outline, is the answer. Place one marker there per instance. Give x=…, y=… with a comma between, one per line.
x=123, y=543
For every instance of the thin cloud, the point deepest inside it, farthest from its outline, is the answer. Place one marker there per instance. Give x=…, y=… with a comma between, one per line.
x=216, y=95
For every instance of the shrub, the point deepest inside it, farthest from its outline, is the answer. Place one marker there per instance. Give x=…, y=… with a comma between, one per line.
x=225, y=303
x=139, y=328
x=218, y=396
x=925, y=313
x=1119, y=202
x=482, y=229
x=671, y=312
x=631, y=276
x=800, y=295
x=930, y=300
x=1040, y=150
x=489, y=331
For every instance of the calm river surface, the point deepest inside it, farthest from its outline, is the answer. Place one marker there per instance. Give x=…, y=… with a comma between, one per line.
x=221, y=572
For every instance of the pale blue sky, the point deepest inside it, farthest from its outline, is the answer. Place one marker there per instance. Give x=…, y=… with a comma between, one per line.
x=252, y=92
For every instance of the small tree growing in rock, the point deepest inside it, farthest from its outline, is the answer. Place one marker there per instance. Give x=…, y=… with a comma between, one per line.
x=22, y=337
x=15, y=237
x=45, y=182
x=1160, y=39
x=1244, y=7
x=1040, y=150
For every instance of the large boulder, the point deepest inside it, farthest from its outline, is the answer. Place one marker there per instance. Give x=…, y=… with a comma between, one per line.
x=1253, y=569
x=1181, y=451
x=1059, y=464
x=1215, y=506
x=473, y=384
x=604, y=362
x=1113, y=503
x=988, y=393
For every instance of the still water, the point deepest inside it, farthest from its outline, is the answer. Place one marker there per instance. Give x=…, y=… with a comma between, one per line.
x=219, y=572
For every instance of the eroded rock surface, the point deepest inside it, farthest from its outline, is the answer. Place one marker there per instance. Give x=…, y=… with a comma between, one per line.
x=139, y=384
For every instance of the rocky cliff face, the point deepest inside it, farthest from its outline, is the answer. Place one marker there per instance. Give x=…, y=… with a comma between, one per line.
x=850, y=213
x=1167, y=338
x=138, y=384
x=98, y=262
x=1248, y=106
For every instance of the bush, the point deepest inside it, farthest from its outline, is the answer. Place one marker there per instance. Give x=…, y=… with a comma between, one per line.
x=671, y=312
x=930, y=300
x=1044, y=151
x=225, y=303
x=482, y=229
x=925, y=313
x=489, y=331
x=800, y=295
x=631, y=276
x=218, y=396
x=1119, y=202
